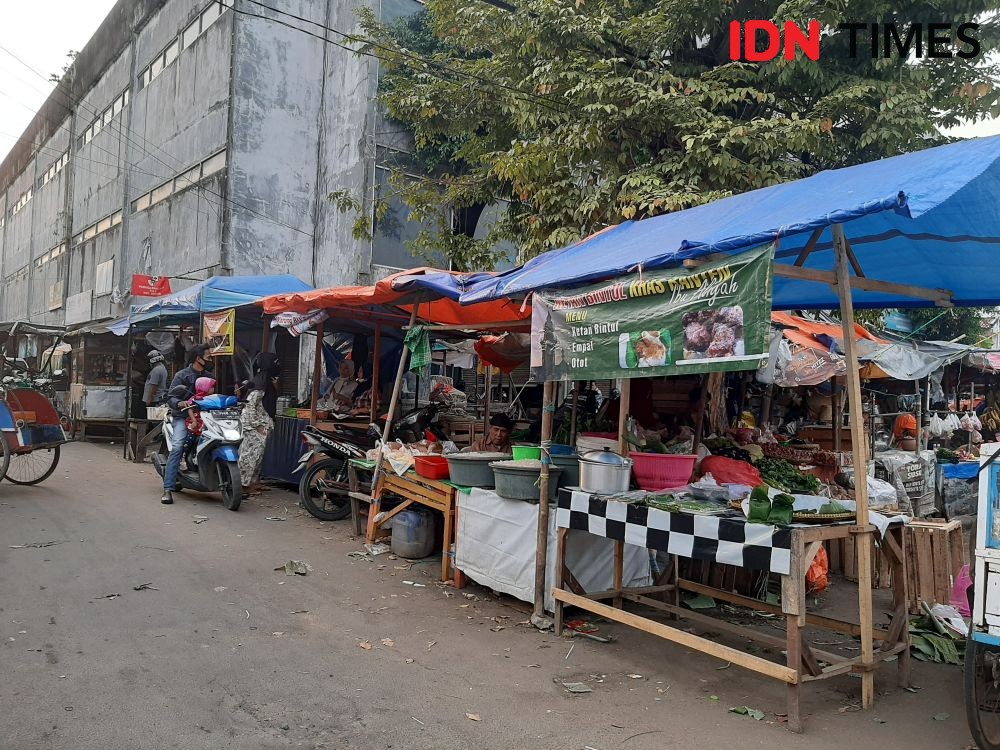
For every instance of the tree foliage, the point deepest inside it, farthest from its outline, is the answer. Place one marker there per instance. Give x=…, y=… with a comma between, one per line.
x=577, y=115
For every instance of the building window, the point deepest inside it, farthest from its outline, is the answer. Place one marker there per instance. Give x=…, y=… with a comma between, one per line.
x=213, y=164
x=186, y=179
x=141, y=203
x=161, y=193
x=102, y=120
x=191, y=32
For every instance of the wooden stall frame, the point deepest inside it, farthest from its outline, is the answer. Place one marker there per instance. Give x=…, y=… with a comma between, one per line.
x=897, y=640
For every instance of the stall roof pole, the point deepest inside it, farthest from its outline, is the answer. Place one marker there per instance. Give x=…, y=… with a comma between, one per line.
x=860, y=452
x=542, y=542
x=317, y=362
x=624, y=406
x=397, y=386
x=375, y=375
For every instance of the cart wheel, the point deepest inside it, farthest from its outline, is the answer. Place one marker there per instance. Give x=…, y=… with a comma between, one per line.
x=32, y=467
x=982, y=693
x=4, y=456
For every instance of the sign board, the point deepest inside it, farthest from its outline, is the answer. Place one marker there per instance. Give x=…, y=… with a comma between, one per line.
x=150, y=286
x=680, y=321
x=219, y=331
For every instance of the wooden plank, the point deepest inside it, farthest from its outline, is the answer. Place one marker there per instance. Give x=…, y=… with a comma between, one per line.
x=942, y=297
x=697, y=643
x=559, y=575
x=618, y=572
x=716, y=623
x=956, y=543
x=942, y=567
x=925, y=565
x=843, y=286
x=793, y=656
x=810, y=245
x=819, y=621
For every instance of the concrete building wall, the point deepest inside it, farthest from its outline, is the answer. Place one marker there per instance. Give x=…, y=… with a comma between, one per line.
x=276, y=120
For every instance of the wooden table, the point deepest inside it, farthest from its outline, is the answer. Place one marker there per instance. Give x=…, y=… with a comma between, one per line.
x=802, y=662
x=141, y=434
x=414, y=489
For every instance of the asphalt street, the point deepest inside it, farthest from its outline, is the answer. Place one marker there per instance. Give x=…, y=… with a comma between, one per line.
x=126, y=624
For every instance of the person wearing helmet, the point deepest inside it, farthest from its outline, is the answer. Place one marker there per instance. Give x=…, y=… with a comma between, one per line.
x=155, y=389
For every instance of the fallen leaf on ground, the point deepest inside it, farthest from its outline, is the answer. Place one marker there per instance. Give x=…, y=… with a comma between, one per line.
x=298, y=612
x=295, y=567
x=634, y=676
x=145, y=587
x=200, y=519
x=431, y=645
x=36, y=544
x=274, y=518
x=753, y=713
x=943, y=716
x=388, y=642
x=278, y=633
x=408, y=661
x=219, y=589
x=365, y=645
x=577, y=687
x=473, y=717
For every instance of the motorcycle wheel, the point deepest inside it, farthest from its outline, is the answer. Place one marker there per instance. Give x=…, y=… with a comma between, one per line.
x=323, y=490
x=4, y=456
x=230, y=484
x=33, y=467
x=982, y=693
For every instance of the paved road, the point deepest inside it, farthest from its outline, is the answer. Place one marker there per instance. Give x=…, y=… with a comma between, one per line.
x=224, y=652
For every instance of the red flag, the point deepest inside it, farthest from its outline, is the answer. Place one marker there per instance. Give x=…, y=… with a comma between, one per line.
x=150, y=286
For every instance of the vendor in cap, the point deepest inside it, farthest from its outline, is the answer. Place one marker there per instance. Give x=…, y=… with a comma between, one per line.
x=154, y=391
x=497, y=440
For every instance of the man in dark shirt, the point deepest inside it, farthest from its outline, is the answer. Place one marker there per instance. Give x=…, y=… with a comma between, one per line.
x=181, y=390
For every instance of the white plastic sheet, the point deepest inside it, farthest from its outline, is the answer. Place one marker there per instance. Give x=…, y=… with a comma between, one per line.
x=495, y=546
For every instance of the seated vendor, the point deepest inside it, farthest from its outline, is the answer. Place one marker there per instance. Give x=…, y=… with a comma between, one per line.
x=340, y=395
x=497, y=440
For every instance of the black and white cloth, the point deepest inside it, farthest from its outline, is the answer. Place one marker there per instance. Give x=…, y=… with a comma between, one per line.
x=725, y=540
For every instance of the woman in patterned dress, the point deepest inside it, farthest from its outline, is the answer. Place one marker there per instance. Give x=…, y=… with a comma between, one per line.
x=257, y=419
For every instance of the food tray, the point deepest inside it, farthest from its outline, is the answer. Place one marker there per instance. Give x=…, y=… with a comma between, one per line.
x=827, y=518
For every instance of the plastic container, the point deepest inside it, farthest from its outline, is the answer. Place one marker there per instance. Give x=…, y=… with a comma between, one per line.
x=522, y=482
x=527, y=452
x=473, y=469
x=662, y=471
x=431, y=467
x=412, y=534
x=570, y=465
x=560, y=449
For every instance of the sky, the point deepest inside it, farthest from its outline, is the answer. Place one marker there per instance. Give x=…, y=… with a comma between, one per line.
x=41, y=32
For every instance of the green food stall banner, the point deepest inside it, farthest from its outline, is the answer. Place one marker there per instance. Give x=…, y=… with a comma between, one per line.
x=712, y=318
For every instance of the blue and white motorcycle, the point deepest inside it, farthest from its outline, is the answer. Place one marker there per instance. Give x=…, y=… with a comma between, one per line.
x=212, y=461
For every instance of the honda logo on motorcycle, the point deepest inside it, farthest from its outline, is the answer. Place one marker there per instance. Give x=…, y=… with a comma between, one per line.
x=762, y=41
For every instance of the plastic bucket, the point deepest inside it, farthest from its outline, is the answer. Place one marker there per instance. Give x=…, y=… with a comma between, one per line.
x=662, y=471
x=523, y=452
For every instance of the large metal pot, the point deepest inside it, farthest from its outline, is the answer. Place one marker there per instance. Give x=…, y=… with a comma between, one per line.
x=604, y=472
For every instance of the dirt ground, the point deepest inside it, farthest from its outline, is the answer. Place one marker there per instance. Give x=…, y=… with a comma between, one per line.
x=225, y=652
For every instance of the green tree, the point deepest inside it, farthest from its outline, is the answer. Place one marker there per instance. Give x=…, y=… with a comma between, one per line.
x=577, y=115
x=932, y=324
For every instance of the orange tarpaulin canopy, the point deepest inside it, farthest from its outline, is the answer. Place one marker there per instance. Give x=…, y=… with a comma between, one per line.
x=805, y=332
x=427, y=287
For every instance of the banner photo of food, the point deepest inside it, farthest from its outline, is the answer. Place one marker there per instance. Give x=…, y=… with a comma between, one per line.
x=711, y=318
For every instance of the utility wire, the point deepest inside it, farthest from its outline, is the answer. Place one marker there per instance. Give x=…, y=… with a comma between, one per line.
x=118, y=127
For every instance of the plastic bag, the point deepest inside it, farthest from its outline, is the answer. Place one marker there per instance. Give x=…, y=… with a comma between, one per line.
x=818, y=575
x=936, y=426
x=974, y=420
x=730, y=471
x=960, y=593
x=399, y=457
x=953, y=422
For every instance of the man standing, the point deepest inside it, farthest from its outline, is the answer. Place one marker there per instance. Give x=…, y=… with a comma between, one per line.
x=181, y=390
x=155, y=389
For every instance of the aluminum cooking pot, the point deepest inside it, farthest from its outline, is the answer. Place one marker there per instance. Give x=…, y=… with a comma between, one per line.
x=604, y=472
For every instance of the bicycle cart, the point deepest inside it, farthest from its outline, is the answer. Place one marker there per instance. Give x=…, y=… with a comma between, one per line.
x=32, y=432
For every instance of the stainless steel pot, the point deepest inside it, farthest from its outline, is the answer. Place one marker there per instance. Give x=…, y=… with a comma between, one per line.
x=604, y=472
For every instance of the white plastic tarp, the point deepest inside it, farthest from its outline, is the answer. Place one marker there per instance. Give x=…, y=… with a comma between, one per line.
x=495, y=546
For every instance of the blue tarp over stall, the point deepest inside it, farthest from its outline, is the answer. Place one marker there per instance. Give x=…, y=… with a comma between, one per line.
x=930, y=219
x=215, y=293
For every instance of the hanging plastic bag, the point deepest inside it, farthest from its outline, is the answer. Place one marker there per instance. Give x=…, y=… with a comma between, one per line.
x=818, y=575
x=965, y=422
x=974, y=420
x=936, y=426
x=960, y=592
x=953, y=422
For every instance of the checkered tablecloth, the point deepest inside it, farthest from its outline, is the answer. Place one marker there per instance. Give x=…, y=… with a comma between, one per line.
x=725, y=540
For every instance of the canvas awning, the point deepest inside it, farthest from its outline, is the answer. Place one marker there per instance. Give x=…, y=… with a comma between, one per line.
x=909, y=220
x=435, y=291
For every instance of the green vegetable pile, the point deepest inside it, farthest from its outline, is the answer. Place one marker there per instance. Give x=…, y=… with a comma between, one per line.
x=832, y=508
x=783, y=475
x=947, y=456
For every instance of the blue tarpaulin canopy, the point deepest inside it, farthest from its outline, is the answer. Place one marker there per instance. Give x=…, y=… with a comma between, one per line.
x=929, y=219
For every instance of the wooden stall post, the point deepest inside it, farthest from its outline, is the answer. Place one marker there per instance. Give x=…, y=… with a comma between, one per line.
x=397, y=386
x=858, y=447
x=838, y=417
x=624, y=403
x=488, y=379
x=542, y=535
x=376, y=392
x=317, y=369
x=573, y=412
x=265, y=344
x=699, y=420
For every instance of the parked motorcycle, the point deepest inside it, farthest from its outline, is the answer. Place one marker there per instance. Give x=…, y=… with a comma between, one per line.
x=212, y=462
x=324, y=487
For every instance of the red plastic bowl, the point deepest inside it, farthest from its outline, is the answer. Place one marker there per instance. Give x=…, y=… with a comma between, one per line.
x=662, y=471
x=431, y=467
